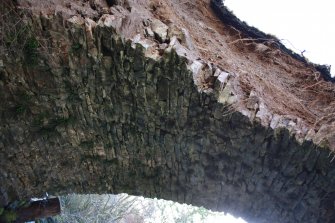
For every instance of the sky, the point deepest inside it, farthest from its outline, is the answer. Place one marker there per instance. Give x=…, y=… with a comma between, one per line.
x=305, y=25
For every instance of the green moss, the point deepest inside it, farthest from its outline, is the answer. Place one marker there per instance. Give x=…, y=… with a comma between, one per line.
x=31, y=43
x=8, y=216
x=30, y=51
x=76, y=47
x=20, y=109
x=23, y=102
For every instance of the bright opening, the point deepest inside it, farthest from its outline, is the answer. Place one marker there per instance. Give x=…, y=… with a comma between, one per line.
x=304, y=26
x=123, y=208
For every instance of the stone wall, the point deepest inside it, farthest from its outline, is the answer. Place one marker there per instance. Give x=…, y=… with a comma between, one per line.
x=103, y=118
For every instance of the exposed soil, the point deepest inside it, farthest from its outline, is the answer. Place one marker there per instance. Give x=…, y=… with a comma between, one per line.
x=287, y=86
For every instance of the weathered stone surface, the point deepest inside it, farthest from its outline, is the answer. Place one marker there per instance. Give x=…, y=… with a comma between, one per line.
x=116, y=116
x=160, y=30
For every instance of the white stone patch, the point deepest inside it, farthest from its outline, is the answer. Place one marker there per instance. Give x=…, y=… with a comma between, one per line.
x=188, y=40
x=180, y=49
x=227, y=94
x=160, y=29
x=76, y=20
x=310, y=134
x=146, y=43
x=149, y=32
x=110, y=21
x=150, y=47
x=247, y=113
x=223, y=77
x=196, y=67
x=264, y=115
x=325, y=137
x=274, y=121
x=92, y=50
x=136, y=38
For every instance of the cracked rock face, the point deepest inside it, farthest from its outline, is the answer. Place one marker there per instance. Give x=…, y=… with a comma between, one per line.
x=120, y=100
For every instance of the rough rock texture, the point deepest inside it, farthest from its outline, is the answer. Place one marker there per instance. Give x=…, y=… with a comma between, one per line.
x=118, y=101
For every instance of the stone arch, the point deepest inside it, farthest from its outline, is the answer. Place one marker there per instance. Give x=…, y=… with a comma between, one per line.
x=128, y=123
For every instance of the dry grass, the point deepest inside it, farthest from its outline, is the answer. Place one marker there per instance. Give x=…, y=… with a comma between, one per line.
x=288, y=87
x=298, y=91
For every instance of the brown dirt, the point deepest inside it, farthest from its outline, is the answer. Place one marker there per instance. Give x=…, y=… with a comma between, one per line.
x=287, y=86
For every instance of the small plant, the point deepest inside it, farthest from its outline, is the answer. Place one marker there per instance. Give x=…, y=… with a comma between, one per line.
x=20, y=109
x=30, y=51
x=8, y=216
x=76, y=47
x=17, y=37
x=23, y=103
